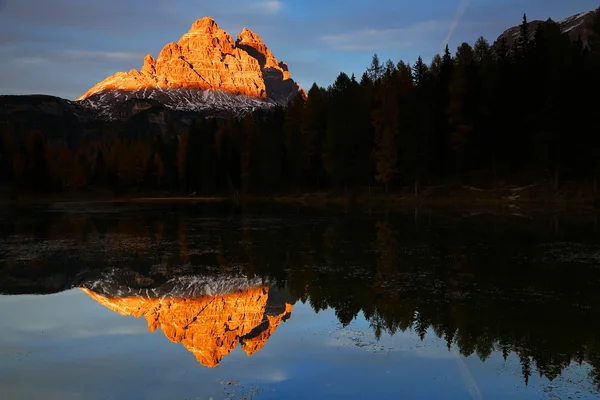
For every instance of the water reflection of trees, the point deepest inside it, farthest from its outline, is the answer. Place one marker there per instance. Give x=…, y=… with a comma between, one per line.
x=480, y=289
x=483, y=285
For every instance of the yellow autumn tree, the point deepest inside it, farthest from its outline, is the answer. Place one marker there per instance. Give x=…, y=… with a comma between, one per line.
x=181, y=151
x=81, y=169
x=64, y=166
x=159, y=168
x=141, y=155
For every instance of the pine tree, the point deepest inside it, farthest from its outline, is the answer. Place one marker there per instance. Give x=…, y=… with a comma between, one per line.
x=389, y=68
x=158, y=169
x=594, y=32
x=345, y=153
x=314, y=124
x=592, y=80
x=502, y=50
x=435, y=68
x=272, y=143
x=442, y=70
x=462, y=105
x=423, y=105
x=420, y=72
x=296, y=150
x=248, y=149
x=375, y=70
x=228, y=155
x=192, y=168
x=524, y=39
x=488, y=132
x=385, y=120
x=447, y=61
x=181, y=162
x=38, y=166
x=100, y=170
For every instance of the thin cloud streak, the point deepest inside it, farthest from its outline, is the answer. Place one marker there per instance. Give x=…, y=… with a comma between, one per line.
x=462, y=7
x=467, y=377
x=272, y=7
x=110, y=55
x=374, y=39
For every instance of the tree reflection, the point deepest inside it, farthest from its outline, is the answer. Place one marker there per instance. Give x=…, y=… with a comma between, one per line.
x=484, y=285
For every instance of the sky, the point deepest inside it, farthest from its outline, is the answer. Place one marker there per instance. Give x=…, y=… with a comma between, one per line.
x=73, y=347
x=64, y=47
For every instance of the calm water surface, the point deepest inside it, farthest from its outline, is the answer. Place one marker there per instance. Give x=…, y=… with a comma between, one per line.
x=198, y=302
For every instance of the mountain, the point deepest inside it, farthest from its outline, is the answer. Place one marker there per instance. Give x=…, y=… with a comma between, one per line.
x=576, y=26
x=59, y=119
x=208, y=315
x=65, y=122
x=206, y=70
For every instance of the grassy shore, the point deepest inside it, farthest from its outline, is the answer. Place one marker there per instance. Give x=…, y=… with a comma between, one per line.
x=454, y=195
x=535, y=195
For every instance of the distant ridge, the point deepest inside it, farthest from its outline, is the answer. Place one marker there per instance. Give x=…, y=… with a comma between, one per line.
x=576, y=26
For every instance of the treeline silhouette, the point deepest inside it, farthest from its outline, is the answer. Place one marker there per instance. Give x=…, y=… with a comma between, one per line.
x=484, y=284
x=486, y=116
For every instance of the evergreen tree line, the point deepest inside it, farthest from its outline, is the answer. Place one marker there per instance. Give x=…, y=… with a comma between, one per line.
x=487, y=115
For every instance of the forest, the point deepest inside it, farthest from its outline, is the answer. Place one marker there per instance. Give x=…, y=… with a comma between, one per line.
x=487, y=116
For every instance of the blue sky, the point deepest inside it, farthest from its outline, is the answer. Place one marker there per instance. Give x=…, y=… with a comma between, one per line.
x=63, y=47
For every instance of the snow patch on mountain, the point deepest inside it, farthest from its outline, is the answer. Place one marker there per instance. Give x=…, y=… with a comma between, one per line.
x=116, y=283
x=204, y=101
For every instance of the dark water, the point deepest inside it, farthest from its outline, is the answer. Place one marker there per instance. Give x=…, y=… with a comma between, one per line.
x=199, y=302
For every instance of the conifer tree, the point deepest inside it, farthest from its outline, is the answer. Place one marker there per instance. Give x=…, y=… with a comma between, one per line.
x=524, y=39
x=375, y=70
x=462, y=105
x=296, y=149
x=313, y=127
x=385, y=118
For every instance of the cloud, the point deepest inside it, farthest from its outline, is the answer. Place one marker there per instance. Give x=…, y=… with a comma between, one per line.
x=274, y=376
x=104, y=16
x=107, y=331
x=462, y=7
x=108, y=55
x=467, y=377
x=77, y=58
x=388, y=39
x=272, y=7
x=32, y=60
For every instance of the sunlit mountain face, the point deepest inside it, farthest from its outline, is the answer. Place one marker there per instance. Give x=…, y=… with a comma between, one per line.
x=486, y=285
x=206, y=70
x=210, y=316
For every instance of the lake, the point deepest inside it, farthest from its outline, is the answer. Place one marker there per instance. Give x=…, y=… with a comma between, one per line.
x=192, y=301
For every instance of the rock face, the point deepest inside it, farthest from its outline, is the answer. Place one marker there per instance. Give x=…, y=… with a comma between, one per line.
x=210, y=327
x=278, y=82
x=204, y=59
x=576, y=26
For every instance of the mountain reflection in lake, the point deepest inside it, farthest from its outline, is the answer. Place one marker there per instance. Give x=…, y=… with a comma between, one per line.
x=297, y=304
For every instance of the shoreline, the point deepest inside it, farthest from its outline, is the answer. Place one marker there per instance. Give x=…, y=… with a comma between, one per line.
x=450, y=196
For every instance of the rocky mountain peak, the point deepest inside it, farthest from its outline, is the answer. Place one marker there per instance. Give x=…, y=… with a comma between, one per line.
x=206, y=25
x=206, y=58
x=254, y=45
